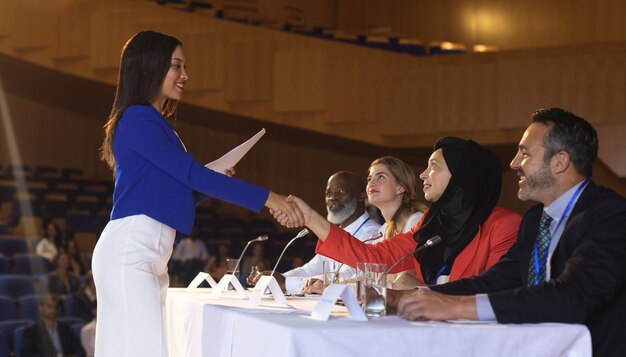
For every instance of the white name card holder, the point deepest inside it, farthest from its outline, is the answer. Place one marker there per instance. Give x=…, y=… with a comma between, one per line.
x=198, y=280
x=329, y=297
x=268, y=281
x=223, y=285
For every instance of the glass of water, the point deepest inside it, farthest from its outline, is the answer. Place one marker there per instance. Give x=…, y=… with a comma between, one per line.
x=330, y=273
x=374, y=289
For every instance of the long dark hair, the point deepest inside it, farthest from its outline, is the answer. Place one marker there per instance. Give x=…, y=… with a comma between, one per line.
x=145, y=61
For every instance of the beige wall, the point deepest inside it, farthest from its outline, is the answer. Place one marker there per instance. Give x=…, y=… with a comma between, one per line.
x=507, y=24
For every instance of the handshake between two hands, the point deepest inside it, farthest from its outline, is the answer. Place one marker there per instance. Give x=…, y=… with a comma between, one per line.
x=289, y=211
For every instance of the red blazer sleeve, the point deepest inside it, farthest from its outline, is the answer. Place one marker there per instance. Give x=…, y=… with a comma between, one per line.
x=341, y=246
x=493, y=239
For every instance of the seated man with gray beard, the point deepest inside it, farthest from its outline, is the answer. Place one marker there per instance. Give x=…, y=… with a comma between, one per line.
x=345, y=203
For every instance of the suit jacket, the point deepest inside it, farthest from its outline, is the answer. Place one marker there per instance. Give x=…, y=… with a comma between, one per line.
x=155, y=176
x=494, y=237
x=587, y=278
x=37, y=343
x=56, y=286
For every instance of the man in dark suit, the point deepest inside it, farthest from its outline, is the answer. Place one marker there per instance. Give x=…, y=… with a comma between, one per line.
x=569, y=263
x=48, y=337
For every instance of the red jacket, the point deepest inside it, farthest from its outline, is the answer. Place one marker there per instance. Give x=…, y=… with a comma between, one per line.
x=493, y=239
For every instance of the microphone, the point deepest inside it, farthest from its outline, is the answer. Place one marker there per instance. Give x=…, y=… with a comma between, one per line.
x=429, y=243
x=257, y=239
x=300, y=234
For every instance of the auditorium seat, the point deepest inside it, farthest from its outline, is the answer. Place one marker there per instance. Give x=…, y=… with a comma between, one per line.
x=5, y=265
x=8, y=310
x=79, y=220
x=29, y=306
x=16, y=286
x=7, y=328
x=56, y=204
x=411, y=46
x=18, y=337
x=31, y=264
x=4, y=348
x=9, y=246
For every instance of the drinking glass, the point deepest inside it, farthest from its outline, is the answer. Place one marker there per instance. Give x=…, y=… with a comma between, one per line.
x=330, y=273
x=374, y=289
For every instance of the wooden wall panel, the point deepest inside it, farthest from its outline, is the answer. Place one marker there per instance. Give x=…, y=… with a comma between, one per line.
x=26, y=37
x=66, y=41
x=110, y=30
x=246, y=79
x=352, y=79
x=300, y=80
x=611, y=148
x=507, y=24
x=205, y=60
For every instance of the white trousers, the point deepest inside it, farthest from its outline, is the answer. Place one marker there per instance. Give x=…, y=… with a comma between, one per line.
x=130, y=271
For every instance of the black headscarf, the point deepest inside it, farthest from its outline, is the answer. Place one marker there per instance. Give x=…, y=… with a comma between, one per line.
x=465, y=204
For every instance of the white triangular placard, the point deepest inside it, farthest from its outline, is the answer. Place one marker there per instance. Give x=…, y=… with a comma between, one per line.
x=326, y=302
x=267, y=281
x=198, y=280
x=223, y=285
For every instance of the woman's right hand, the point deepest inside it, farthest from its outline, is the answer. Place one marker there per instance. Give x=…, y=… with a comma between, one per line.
x=285, y=212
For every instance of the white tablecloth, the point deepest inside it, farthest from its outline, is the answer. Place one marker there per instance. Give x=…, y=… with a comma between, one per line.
x=201, y=327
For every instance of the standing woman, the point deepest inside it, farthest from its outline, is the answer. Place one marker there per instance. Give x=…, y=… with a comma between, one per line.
x=157, y=183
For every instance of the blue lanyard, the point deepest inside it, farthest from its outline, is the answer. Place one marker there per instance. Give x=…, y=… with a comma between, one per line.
x=544, y=257
x=434, y=282
x=361, y=226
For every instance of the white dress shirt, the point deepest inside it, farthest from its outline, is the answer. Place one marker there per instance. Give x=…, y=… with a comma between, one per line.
x=362, y=229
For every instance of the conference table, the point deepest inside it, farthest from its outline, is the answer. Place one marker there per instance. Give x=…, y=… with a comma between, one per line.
x=199, y=326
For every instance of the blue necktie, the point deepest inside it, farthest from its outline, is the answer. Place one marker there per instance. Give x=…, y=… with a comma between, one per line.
x=540, y=252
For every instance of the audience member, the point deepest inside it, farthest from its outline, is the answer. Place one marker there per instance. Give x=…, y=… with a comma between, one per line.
x=84, y=299
x=189, y=257
x=257, y=258
x=216, y=266
x=345, y=203
x=48, y=337
x=569, y=262
x=62, y=281
x=46, y=247
x=77, y=264
x=88, y=334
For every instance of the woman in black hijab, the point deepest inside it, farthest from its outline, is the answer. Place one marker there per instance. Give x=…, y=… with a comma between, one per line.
x=465, y=203
x=463, y=182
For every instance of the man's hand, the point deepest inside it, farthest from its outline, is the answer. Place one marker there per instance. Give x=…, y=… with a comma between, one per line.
x=313, y=286
x=424, y=304
x=256, y=274
x=285, y=212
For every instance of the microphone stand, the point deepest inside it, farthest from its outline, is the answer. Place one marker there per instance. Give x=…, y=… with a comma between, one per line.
x=300, y=234
x=429, y=243
x=257, y=239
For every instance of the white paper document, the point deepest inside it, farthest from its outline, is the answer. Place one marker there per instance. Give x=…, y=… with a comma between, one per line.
x=231, y=158
x=329, y=297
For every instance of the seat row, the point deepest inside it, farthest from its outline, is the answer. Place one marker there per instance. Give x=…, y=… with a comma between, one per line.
x=12, y=333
